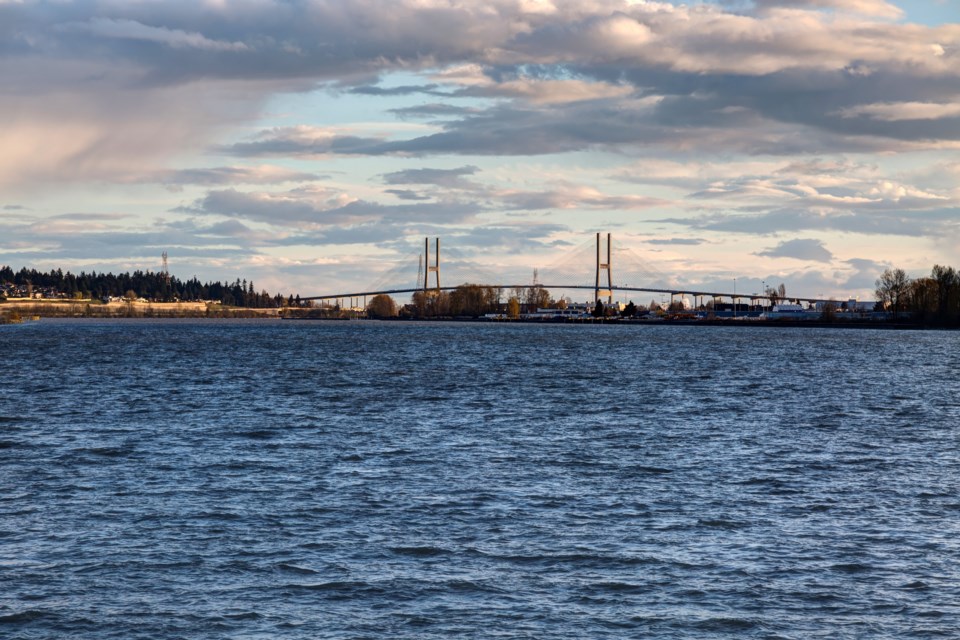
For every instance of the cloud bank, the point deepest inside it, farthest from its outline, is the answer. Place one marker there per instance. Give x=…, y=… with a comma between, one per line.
x=779, y=118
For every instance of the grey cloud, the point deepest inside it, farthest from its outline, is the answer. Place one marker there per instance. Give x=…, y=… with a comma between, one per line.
x=372, y=90
x=780, y=220
x=783, y=100
x=298, y=209
x=800, y=249
x=113, y=257
x=289, y=143
x=180, y=42
x=764, y=121
x=318, y=209
x=715, y=75
x=509, y=238
x=788, y=108
x=378, y=234
x=233, y=175
x=275, y=210
x=14, y=207
x=443, y=212
x=448, y=178
x=41, y=241
x=865, y=273
x=133, y=30
x=501, y=130
x=572, y=197
x=333, y=39
x=407, y=194
x=228, y=229
x=89, y=217
x=435, y=110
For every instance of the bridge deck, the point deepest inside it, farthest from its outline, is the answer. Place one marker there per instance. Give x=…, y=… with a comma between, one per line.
x=672, y=292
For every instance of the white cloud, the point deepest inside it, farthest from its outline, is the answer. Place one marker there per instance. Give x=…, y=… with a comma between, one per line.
x=888, y=190
x=878, y=8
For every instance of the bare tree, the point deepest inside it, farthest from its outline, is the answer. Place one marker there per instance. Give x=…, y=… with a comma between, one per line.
x=948, y=283
x=473, y=300
x=828, y=312
x=893, y=285
x=922, y=295
x=538, y=297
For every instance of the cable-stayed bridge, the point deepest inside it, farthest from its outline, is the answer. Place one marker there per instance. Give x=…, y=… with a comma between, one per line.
x=587, y=268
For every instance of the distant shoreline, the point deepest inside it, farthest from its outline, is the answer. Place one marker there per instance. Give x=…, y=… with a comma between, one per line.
x=14, y=311
x=135, y=309
x=720, y=322
x=232, y=317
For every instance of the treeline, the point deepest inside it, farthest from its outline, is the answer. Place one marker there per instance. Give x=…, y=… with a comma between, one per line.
x=933, y=300
x=474, y=300
x=156, y=287
x=466, y=300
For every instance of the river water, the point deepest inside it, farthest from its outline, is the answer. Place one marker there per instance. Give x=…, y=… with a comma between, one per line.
x=232, y=479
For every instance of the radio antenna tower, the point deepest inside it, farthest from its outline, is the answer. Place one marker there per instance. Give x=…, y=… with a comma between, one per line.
x=165, y=269
x=536, y=277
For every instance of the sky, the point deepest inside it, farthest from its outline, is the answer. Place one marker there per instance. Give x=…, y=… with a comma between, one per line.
x=310, y=146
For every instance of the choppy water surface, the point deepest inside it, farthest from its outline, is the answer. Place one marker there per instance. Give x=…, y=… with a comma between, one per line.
x=387, y=480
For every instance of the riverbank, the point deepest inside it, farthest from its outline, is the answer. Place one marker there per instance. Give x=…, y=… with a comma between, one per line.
x=136, y=309
x=16, y=311
x=715, y=322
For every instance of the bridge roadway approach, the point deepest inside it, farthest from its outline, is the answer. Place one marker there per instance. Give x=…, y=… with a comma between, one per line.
x=604, y=290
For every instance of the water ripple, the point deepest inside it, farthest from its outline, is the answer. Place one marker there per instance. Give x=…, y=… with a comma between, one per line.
x=377, y=480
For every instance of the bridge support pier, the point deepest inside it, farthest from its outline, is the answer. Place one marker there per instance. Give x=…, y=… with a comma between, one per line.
x=603, y=266
x=431, y=268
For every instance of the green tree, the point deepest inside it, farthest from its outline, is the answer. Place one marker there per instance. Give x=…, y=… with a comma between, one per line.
x=599, y=310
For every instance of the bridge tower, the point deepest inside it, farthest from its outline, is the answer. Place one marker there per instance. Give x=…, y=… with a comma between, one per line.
x=603, y=266
x=431, y=268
